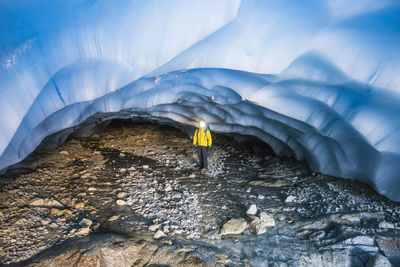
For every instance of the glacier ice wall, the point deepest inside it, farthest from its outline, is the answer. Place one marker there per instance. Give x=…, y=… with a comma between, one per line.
x=317, y=80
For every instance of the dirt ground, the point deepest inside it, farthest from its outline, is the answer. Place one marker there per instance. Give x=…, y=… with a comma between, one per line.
x=143, y=181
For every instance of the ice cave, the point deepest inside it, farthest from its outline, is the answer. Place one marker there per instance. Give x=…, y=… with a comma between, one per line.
x=317, y=81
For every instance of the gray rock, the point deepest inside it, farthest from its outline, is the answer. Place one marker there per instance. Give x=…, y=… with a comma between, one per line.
x=252, y=210
x=290, y=199
x=121, y=202
x=234, y=227
x=86, y=222
x=121, y=195
x=83, y=231
x=379, y=261
x=259, y=224
x=386, y=225
x=159, y=234
x=40, y=202
x=153, y=227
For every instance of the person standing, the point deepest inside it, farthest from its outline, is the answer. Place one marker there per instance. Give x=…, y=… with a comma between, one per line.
x=202, y=141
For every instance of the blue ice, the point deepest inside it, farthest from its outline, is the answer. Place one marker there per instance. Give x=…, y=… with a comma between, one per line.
x=316, y=80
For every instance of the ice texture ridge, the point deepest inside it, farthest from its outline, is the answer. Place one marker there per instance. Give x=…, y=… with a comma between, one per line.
x=316, y=79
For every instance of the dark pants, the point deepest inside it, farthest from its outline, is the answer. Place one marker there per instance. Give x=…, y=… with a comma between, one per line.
x=202, y=152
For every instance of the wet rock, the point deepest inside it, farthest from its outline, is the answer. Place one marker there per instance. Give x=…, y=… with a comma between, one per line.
x=40, y=202
x=290, y=199
x=145, y=166
x=92, y=189
x=123, y=170
x=159, y=234
x=252, y=210
x=234, y=227
x=121, y=202
x=64, y=152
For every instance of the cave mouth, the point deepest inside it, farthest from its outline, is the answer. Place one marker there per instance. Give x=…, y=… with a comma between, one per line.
x=101, y=123
x=135, y=181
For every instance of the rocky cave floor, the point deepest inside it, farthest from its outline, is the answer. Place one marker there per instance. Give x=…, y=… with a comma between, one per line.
x=132, y=195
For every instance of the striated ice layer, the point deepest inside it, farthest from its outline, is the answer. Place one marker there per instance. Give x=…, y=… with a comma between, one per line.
x=317, y=80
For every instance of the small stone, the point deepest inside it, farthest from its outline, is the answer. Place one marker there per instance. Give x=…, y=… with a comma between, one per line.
x=168, y=188
x=192, y=175
x=252, y=210
x=56, y=212
x=121, y=195
x=121, y=154
x=131, y=168
x=123, y=170
x=37, y=202
x=92, y=189
x=145, y=166
x=234, y=227
x=153, y=227
x=261, y=197
x=159, y=234
x=290, y=199
x=79, y=205
x=83, y=231
x=86, y=175
x=64, y=153
x=86, y=222
x=167, y=242
x=40, y=202
x=121, y=202
x=386, y=225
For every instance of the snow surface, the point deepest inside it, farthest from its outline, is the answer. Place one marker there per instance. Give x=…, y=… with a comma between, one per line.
x=318, y=80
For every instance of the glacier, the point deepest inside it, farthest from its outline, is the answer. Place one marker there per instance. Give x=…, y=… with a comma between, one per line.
x=316, y=80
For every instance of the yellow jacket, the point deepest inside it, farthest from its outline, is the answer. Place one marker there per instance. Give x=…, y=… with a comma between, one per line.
x=201, y=138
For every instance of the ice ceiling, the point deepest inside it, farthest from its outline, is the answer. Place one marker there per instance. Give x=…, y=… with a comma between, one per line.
x=318, y=80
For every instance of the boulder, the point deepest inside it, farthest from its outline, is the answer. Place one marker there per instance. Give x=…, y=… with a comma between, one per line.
x=234, y=227
x=259, y=224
